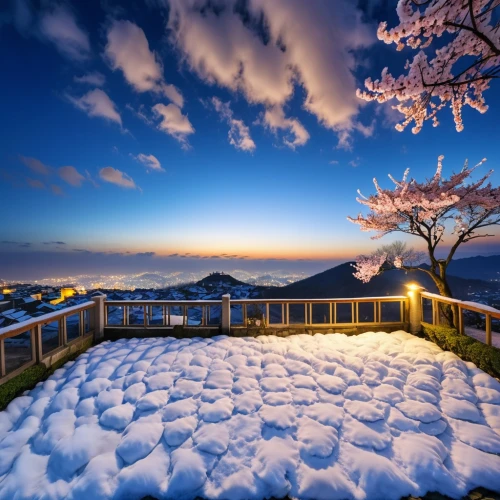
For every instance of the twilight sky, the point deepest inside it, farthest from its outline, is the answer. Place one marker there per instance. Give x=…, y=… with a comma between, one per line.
x=187, y=134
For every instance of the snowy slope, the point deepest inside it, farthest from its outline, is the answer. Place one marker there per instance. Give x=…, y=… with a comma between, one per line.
x=318, y=417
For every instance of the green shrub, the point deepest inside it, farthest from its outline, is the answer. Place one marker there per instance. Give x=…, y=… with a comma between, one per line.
x=24, y=381
x=29, y=378
x=469, y=349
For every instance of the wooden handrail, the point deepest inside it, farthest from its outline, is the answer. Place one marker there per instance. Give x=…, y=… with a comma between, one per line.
x=25, y=326
x=469, y=306
x=193, y=303
x=189, y=303
x=393, y=298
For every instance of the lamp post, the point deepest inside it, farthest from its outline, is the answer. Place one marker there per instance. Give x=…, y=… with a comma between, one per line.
x=414, y=294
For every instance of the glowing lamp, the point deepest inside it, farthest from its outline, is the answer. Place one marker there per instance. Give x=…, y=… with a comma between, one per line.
x=412, y=286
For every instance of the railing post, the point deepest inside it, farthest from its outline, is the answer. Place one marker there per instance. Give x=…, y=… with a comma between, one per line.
x=461, y=328
x=226, y=314
x=3, y=371
x=415, y=304
x=38, y=343
x=99, y=316
x=63, y=332
x=488, y=329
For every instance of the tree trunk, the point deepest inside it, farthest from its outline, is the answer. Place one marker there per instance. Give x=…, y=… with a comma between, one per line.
x=450, y=313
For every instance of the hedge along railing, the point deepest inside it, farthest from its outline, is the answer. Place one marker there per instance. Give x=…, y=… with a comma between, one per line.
x=235, y=313
x=41, y=339
x=460, y=306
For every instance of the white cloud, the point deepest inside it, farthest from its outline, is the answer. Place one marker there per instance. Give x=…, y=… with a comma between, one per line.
x=356, y=162
x=296, y=134
x=239, y=133
x=35, y=165
x=35, y=183
x=71, y=175
x=333, y=162
x=117, y=177
x=128, y=50
x=95, y=78
x=91, y=179
x=57, y=190
x=141, y=113
x=345, y=135
x=311, y=45
x=59, y=26
x=149, y=161
x=173, y=122
x=97, y=103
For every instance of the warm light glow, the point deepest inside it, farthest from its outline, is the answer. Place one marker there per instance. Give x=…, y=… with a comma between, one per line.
x=65, y=293
x=412, y=286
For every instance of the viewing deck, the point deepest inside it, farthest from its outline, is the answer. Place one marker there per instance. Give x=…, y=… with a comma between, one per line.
x=248, y=399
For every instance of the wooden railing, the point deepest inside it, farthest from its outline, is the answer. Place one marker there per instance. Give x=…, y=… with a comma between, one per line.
x=342, y=313
x=460, y=306
x=46, y=338
x=34, y=341
x=160, y=313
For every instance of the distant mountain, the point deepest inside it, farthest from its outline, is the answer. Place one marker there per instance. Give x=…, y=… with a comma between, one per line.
x=216, y=279
x=482, y=268
x=339, y=282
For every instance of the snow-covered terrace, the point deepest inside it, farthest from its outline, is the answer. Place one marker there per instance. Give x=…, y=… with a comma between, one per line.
x=322, y=416
x=326, y=416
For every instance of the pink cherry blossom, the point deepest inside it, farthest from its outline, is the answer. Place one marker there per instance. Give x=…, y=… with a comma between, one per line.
x=368, y=266
x=458, y=43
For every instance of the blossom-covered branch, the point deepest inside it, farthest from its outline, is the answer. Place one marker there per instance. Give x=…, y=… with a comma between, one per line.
x=463, y=58
x=393, y=256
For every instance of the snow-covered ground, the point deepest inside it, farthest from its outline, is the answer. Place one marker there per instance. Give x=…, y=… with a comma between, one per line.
x=318, y=417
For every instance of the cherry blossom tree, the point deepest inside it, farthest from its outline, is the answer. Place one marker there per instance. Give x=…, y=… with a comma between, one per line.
x=453, y=71
x=428, y=210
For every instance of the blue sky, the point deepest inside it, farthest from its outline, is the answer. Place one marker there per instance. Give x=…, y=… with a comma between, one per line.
x=124, y=133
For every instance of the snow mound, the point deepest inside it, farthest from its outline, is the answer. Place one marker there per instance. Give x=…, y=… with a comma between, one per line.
x=313, y=417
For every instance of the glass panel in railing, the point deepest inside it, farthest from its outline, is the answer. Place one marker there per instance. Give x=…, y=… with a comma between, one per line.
x=344, y=312
x=277, y=314
x=495, y=328
x=86, y=320
x=115, y=315
x=445, y=314
x=237, y=314
x=427, y=310
x=50, y=336
x=176, y=315
x=135, y=315
x=321, y=314
x=73, y=327
x=214, y=315
x=390, y=312
x=194, y=315
x=256, y=315
x=17, y=351
x=475, y=325
x=366, y=312
x=297, y=314
x=155, y=315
